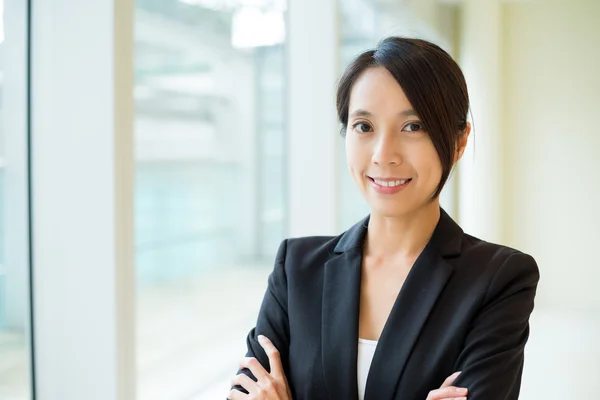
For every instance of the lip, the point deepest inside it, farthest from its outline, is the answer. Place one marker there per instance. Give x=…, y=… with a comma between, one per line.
x=386, y=179
x=386, y=189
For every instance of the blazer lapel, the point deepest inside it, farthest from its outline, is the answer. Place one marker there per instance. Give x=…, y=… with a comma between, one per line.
x=417, y=297
x=423, y=285
x=340, y=312
x=339, y=325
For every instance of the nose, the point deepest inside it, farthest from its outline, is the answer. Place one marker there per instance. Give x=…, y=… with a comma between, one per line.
x=386, y=150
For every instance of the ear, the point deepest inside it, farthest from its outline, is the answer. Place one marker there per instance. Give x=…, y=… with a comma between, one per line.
x=462, y=143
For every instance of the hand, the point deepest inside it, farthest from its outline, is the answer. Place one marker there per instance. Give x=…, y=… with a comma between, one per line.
x=448, y=392
x=273, y=386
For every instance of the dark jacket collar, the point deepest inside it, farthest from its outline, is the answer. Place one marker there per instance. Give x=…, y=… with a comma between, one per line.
x=340, y=313
x=446, y=237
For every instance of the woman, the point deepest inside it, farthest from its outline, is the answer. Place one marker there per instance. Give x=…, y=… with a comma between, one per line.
x=403, y=305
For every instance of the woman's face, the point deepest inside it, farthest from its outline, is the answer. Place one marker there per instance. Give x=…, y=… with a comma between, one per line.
x=390, y=157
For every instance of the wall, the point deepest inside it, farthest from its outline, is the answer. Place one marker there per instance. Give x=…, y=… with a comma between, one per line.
x=551, y=61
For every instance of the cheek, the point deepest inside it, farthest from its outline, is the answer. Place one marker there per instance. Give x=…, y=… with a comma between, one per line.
x=354, y=156
x=428, y=165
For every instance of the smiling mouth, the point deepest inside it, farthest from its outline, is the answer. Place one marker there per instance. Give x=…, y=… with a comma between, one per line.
x=390, y=182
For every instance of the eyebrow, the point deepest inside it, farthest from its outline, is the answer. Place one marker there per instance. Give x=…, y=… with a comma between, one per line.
x=364, y=113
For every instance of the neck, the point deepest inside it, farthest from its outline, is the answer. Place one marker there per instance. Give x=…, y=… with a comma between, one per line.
x=402, y=236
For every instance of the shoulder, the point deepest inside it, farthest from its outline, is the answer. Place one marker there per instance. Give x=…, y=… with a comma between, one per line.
x=305, y=250
x=476, y=248
x=501, y=264
x=300, y=260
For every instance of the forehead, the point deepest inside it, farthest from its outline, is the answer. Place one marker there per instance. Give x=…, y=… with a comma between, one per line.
x=377, y=91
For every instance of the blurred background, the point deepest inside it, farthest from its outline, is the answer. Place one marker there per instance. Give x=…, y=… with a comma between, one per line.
x=154, y=153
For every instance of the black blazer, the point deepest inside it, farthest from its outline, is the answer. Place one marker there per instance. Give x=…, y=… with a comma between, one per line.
x=464, y=306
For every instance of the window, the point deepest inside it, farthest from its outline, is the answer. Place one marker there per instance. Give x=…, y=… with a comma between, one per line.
x=14, y=248
x=210, y=193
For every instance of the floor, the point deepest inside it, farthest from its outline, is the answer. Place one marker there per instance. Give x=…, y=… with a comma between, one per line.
x=192, y=334
x=14, y=373
x=562, y=358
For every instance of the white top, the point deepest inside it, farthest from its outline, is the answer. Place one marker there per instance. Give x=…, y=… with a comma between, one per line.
x=366, y=350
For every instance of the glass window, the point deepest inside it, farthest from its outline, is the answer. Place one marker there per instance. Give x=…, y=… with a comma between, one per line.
x=210, y=188
x=14, y=248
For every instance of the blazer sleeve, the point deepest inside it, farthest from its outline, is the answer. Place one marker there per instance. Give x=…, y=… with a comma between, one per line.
x=273, y=321
x=491, y=360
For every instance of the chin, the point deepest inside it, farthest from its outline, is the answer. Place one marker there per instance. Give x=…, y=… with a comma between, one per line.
x=394, y=209
x=390, y=211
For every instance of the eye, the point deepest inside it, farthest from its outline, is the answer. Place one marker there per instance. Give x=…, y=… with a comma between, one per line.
x=362, y=127
x=413, y=127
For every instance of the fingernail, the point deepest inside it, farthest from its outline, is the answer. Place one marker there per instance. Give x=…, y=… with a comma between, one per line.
x=261, y=338
x=461, y=390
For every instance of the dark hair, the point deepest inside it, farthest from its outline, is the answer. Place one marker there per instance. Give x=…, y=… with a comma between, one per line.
x=431, y=80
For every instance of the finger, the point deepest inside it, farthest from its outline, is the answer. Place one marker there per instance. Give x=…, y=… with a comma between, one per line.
x=274, y=356
x=255, y=367
x=236, y=395
x=246, y=382
x=450, y=392
x=450, y=380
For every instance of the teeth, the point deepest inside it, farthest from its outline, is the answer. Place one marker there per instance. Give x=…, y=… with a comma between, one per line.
x=390, y=183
